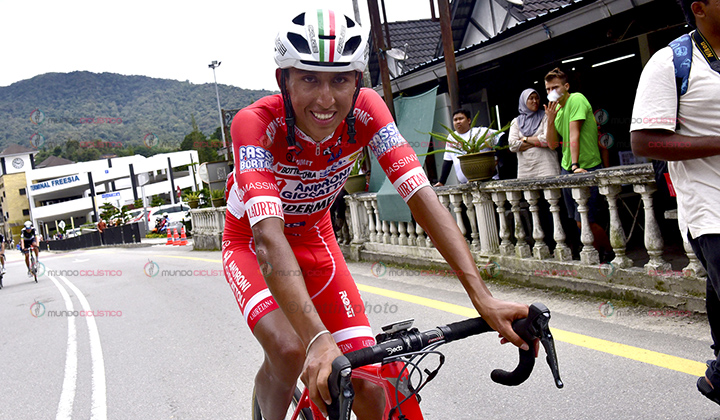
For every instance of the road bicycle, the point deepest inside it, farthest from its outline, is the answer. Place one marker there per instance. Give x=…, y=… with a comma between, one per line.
x=394, y=362
x=33, y=262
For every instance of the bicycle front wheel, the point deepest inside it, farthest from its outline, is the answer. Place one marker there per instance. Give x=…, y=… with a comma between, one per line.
x=305, y=414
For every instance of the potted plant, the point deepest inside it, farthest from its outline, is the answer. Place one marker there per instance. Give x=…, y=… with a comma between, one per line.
x=477, y=153
x=356, y=181
x=218, y=198
x=193, y=199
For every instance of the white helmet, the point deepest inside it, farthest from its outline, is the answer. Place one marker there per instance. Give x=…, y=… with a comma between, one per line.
x=28, y=224
x=322, y=40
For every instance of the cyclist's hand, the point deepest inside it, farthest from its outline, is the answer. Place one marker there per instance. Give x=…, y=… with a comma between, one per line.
x=500, y=316
x=317, y=368
x=536, y=344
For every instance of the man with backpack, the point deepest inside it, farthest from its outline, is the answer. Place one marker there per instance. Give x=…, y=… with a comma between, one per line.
x=675, y=118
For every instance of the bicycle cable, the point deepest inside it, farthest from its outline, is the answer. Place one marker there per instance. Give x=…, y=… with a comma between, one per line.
x=409, y=359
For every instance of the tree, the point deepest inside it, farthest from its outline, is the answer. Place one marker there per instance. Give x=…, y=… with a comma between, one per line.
x=206, y=148
x=107, y=211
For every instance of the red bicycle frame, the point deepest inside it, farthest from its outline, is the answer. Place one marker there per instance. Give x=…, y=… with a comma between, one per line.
x=381, y=375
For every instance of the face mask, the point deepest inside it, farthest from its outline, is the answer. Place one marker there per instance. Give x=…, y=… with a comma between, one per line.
x=553, y=96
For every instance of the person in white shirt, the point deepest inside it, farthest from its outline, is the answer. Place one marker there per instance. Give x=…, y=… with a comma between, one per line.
x=685, y=131
x=527, y=139
x=461, y=123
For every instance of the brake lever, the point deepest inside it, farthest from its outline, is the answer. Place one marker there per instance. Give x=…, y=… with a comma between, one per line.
x=341, y=390
x=541, y=325
x=530, y=328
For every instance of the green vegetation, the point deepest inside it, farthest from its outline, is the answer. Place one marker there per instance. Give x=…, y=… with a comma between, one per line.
x=86, y=115
x=109, y=212
x=156, y=201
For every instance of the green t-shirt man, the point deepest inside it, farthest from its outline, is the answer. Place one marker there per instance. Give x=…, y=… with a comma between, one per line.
x=577, y=108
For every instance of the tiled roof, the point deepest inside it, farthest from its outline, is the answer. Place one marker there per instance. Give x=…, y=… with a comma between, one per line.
x=532, y=8
x=16, y=149
x=53, y=161
x=421, y=36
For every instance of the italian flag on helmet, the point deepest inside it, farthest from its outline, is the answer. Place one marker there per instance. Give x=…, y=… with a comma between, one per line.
x=322, y=40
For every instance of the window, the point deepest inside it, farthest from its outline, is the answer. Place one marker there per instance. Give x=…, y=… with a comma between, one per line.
x=22, y=191
x=26, y=212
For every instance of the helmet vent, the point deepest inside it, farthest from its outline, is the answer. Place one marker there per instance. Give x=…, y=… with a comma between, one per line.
x=351, y=45
x=350, y=22
x=299, y=43
x=299, y=19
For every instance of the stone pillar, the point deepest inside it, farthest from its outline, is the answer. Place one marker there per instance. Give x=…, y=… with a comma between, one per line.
x=588, y=255
x=617, y=233
x=540, y=249
x=506, y=247
x=653, y=239
x=487, y=228
x=561, y=252
x=522, y=249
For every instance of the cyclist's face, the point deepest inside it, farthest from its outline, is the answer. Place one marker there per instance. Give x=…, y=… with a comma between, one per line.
x=321, y=100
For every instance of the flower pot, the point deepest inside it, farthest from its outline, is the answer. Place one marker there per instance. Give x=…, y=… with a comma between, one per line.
x=355, y=184
x=478, y=166
x=218, y=202
x=193, y=204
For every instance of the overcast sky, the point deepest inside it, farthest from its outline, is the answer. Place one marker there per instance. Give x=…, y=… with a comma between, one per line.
x=162, y=39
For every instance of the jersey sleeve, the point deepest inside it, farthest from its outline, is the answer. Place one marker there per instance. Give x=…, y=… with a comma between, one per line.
x=395, y=155
x=255, y=189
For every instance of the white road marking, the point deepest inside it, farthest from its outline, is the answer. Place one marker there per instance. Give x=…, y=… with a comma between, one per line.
x=99, y=393
x=67, y=396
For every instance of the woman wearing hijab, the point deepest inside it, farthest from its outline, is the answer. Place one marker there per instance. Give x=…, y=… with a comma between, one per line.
x=527, y=139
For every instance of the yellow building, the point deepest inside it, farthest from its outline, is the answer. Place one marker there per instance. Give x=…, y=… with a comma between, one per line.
x=15, y=161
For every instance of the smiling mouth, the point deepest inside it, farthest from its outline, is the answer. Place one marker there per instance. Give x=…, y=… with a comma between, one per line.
x=323, y=116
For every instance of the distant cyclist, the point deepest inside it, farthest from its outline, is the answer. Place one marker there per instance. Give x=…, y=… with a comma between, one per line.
x=28, y=238
x=2, y=253
x=293, y=153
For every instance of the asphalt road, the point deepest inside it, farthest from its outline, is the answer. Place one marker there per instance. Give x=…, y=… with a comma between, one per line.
x=167, y=341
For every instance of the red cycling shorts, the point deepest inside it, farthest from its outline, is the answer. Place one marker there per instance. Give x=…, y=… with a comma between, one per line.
x=332, y=289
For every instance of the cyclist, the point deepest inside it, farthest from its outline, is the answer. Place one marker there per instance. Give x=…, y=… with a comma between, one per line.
x=29, y=239
x=293, y=153
x=2, y=253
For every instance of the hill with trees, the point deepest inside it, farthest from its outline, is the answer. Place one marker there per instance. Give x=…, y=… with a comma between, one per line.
x=82, y=115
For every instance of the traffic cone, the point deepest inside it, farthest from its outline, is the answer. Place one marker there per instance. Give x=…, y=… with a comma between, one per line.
x=183, y=238
x=176, y=238
x=170, y=238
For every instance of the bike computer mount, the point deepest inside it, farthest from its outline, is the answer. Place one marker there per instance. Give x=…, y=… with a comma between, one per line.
x=395, y=329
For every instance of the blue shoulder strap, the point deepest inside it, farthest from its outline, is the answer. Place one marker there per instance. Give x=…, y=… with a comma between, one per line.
x=682, y=60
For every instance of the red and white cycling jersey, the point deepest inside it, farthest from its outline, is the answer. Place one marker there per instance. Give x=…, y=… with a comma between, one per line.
x=300, y=187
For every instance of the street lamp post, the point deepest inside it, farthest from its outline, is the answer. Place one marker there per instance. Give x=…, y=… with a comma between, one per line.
x=217, y=94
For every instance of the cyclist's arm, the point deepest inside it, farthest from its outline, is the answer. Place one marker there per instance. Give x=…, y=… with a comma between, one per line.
x=441, y=227
x=287, y=286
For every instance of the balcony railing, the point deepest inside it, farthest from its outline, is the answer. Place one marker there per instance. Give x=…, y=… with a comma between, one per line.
x=498, y=212
x=207, y=228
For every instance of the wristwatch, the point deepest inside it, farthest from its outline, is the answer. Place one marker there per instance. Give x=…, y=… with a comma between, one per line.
x=574, y=166
x=525, y=139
